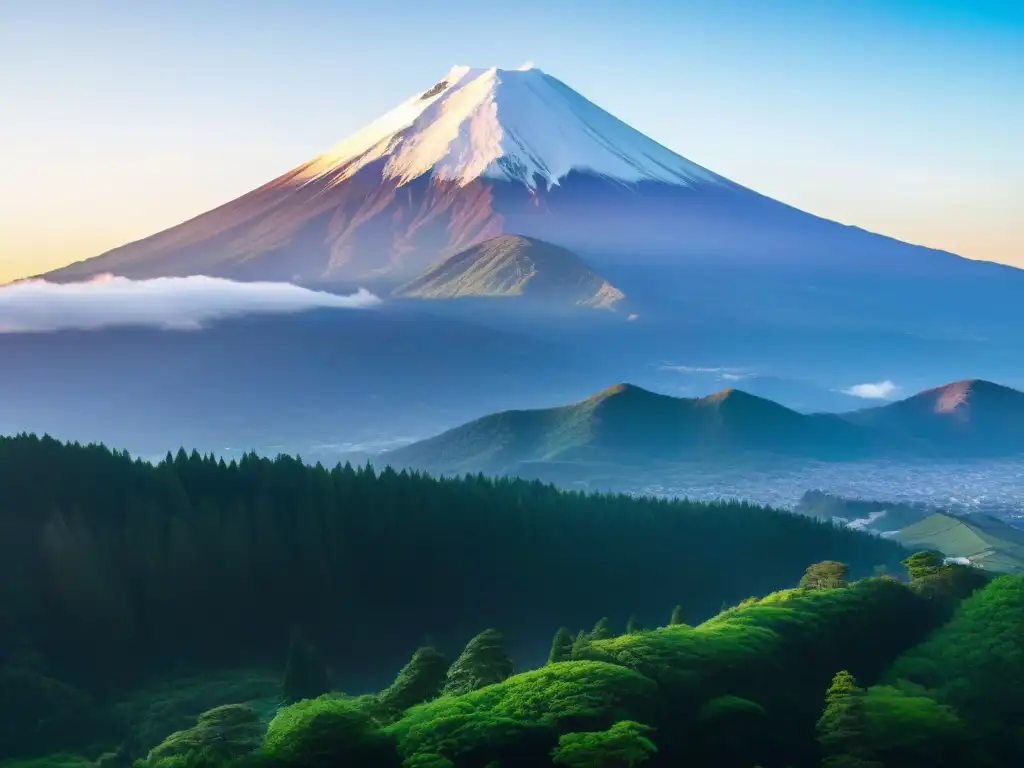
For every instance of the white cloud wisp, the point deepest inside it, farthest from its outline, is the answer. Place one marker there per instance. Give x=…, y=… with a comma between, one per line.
x=174, y=303
x=880, y=390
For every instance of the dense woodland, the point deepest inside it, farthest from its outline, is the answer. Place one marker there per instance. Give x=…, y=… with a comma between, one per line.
x=113, y=569
x=116, y=572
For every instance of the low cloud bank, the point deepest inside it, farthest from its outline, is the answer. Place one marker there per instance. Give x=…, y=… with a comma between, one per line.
x=880, y=390
x=176, y=303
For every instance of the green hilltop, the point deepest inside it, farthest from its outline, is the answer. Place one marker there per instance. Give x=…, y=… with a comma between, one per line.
x=986, y=541
x=628, y=426
x=515, y=266
x=631, y=425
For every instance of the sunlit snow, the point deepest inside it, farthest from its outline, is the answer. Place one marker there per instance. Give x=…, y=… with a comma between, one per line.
x=510, y=125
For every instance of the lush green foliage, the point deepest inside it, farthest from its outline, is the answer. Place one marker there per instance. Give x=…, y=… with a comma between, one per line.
x=624, y=745
x=420, y=680
x=153, y=712
x=746, y=688
x=195, y=561
x=483, y=662
x=220, y=736
x=843, y=727
x=561, y=646
x=905, y=730
x=325, y=732
x=975, y=664
x=521, y=718
x=779, y=653
x=825, y=575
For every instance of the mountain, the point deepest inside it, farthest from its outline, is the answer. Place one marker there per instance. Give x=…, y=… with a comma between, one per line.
x=628, y=425
x=985, y=541
x=512, y=265
x=486, y=152
x=974, y=415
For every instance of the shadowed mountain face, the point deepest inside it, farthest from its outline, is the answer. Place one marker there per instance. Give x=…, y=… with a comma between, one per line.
x=972, y=416
x=512, y=265
x=629, y=425
x=366, y=227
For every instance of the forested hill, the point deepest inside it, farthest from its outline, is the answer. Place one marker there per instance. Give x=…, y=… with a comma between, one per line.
x=112, y=568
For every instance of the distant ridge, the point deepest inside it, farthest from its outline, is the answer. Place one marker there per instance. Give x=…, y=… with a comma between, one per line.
x=628, y=425
x=514, y=265
x=973, y=415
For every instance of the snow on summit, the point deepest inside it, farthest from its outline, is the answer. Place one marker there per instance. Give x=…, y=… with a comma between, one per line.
x=514, y=125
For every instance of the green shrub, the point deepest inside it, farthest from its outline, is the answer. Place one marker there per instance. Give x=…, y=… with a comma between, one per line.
x=325, y=732
x=522, y=717
x=220, y=736
x=905, y=731
x=155, y=712
x=483, y=662
x=975, y=664
x=420, y=680
x=624, y=745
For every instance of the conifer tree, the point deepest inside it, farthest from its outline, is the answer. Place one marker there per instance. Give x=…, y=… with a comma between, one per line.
x=483, y=662
x=561, y=646
x=677, y=616
x=305, y=675
x=842, y=729
x=633, y=626
x=420, y=680
x=579, y=645
x=602, y=630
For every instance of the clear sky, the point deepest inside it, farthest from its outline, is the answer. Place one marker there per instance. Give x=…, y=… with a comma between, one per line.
x=119, y=118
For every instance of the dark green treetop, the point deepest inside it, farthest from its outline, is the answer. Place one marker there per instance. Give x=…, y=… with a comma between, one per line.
x=561, y=646
x=420, y=680
x=843, y=727
x=828, y=574
x=483, y=662
x=602, y=630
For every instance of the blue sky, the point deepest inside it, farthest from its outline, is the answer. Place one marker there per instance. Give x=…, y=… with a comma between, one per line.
x=123, y=117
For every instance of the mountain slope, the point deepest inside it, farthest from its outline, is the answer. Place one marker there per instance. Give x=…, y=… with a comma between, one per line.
x=485, y=153
x=986, y=541
x=975, y=415
x=512, y=265
x=628, y=424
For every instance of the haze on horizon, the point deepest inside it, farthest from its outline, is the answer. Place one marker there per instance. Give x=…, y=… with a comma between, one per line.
x=899, y=117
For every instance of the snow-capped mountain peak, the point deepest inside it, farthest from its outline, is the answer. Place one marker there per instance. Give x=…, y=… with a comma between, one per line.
x=511, y=125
